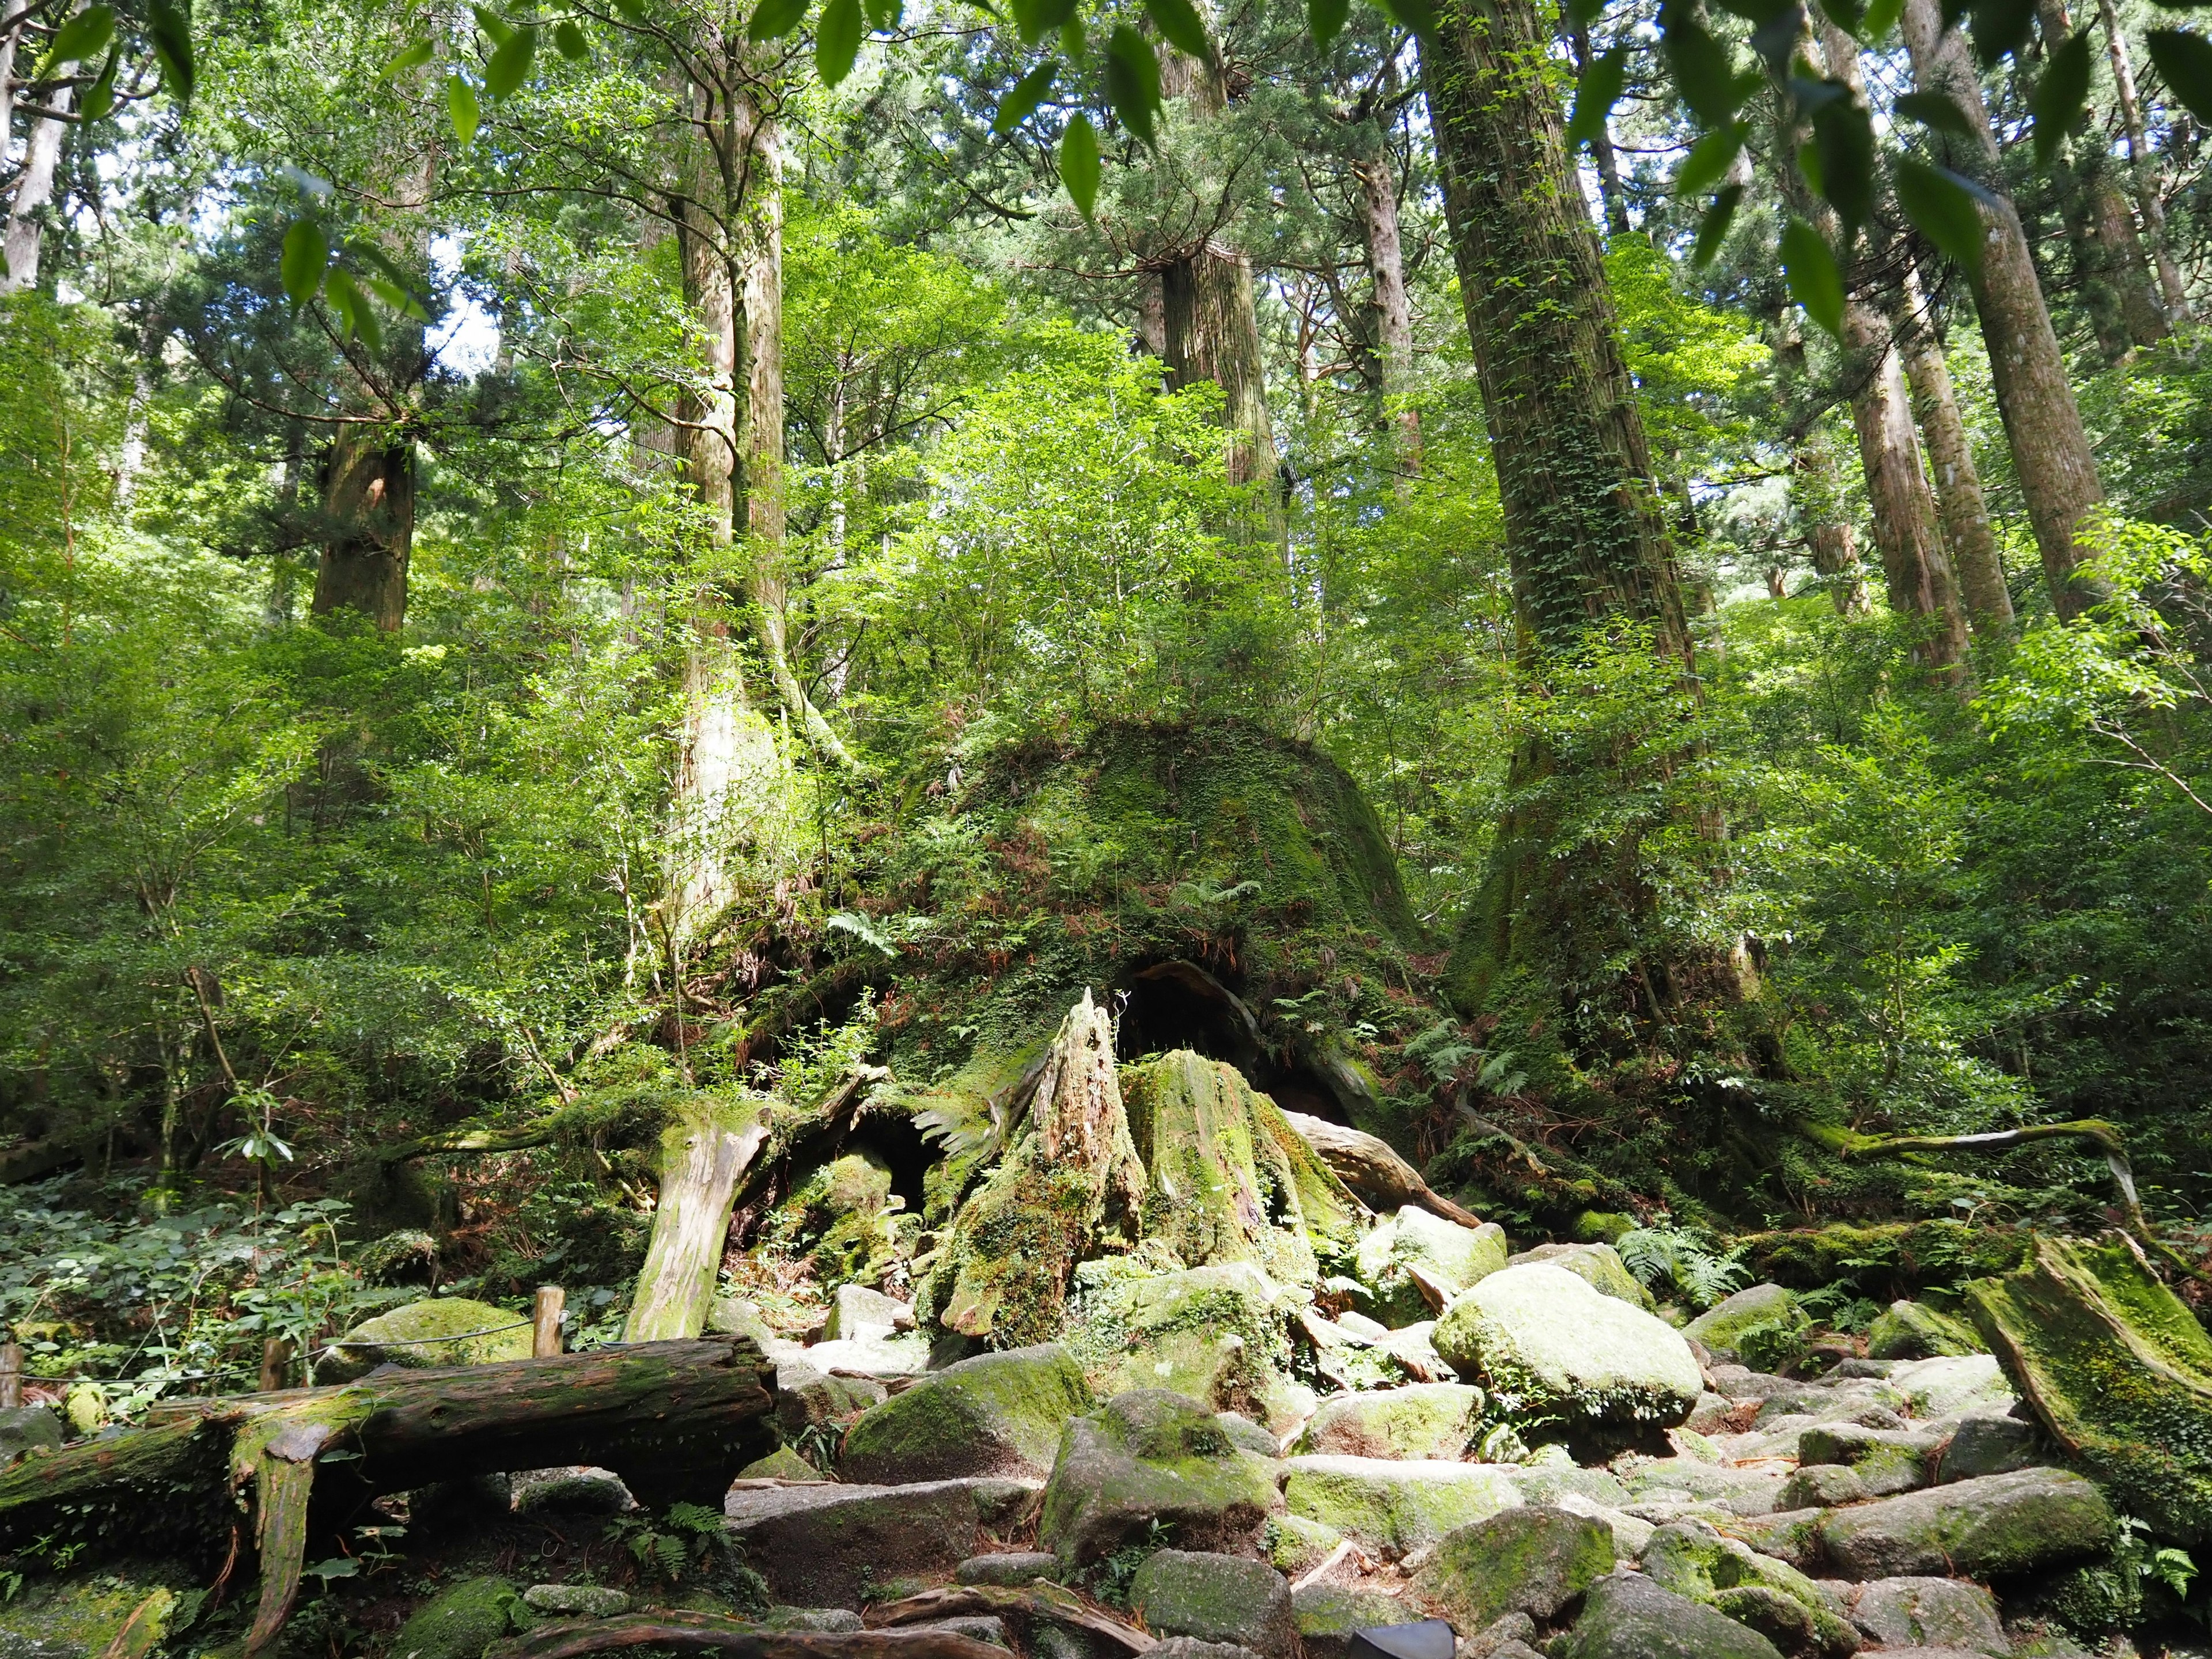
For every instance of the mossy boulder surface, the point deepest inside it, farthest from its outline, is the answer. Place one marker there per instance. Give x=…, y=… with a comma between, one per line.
x=1395, y=1506
x=427, y=1334
x=998, y=1414
x=461, y=1621
x=1458, y=1257
x=1428, y=1420
x=1152, y=1456
x=1628, y=1617
x=1992, y=1528
x=1327, y=1615
x=1598, y=1263
x=1536, y=1560
x=77, y=1617
x=1215, y=1598
x=1218, y=1335
x=1762, y=1328
x=1691, y=1558
x=1913, y=1330
x=1545, y=1344
x=1886, y=1461
x=1935, y=1613
x=833, y=1545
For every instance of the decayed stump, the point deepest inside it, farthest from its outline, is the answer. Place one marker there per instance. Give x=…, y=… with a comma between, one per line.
x=703, y=1156
x=2116, y=1370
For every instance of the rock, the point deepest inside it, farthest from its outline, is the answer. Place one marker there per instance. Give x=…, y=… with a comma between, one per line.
x=1509, y=1637
x=808, y=1397
x=831, y=1545
x=80, y=1615
x=460, y=1622
x=1296, y=1545
x=1533, y=1560
x=1988, y=1527
x=1939, y=1613
x=1547, y=1345
x=1762, y=1326
x=1743, y=1491
x=1011, y=1568
x=1692, y=1559
x=1716, y=1414
x=1215, y=1598
x=731, y=1315
x=1599, y=1264
x=1988, y=1445
x=1429, y=1420
x=1190, y=1647
x=425, y=1334
x=1217, y=1334
x=1151, y=1455
x=1628, y=1617
x=1630, y=1532
x=29, y=1429
x=998, y=1414
x=575, y=1600
x=1886, y=1461
x=857, y=1311
x=1242, y=1431
x=576, y=1489
x=1394, y=1505
x=975, y=1627
x=812, y=1621
x=1821, y=1486
x=1789, y=1535
x=1913, y=1330
x=1950, y=1386
x=1327, y=1615
x=873, y=1353
x=1455, y=1256
x=781, y=1464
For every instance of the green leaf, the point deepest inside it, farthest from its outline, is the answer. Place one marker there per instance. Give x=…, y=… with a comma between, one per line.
x=1132, y=81
x=169, y=29
x=1325, y=21
x=1849, y=15
x=407, y=58
x=1942, y=205
x=1078, y=163
x=1938, y=110
x=397, y=298
x=2184, y=63
x=1704, y=71
x=100, y=96
x=306, y=255
x=633, y=9
x=1880, y=18
x=1815, y=282
x=1843, y=136
x=85, y=35
x=1709, y=159
x=1603, y=80
x=1017, y=106
x=885, y=15
x=1415, y=16
x=2000, y=28
x=837, y=41
x=510, y=65
x=392, y=284
x=2060, y=96
x=1580, y=13
x=1180, y=26
x=461, y=108
x=568, y=41
x=358, y=314
x=1036, y=19
x=1715, y=229
x=773, y=19
x=499, y=30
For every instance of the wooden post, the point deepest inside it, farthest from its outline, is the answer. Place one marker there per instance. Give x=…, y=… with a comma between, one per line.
x=545, y=1321
x=276, y=1362
x=11, y=1375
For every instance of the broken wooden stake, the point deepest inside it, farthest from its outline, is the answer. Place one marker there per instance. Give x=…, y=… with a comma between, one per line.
x=545, y=1321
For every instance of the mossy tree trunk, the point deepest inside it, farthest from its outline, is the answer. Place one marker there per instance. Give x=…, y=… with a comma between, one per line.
x=704, y=1155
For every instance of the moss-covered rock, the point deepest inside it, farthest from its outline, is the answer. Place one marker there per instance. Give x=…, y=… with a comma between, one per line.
x=1547, y=1345
x=1428, y=1420
x=1691, y=1558
x=835, y=1545
x=1913, y=1330
x=1295, y=1543
x=1327, y=1615
x=1455, y=1256
x=1151, y=1456
x=1215, y=1598
x=1762, y=1326
x=843, y=1219
x=1886, y=1461
x=1951, y=1385
x=1630, y=1616
x=1935, y=1613
x=1999, y=1525
x=1537, y=1560
x=79, y=1616
x=1395, y=1506
x=1989, y=1445
x=1218, y=1335
x=1598, y=1263
x=428, y=1334
x=998, y=1414
x=461, y=1621
x=2118, y=1371
x=781, y=1464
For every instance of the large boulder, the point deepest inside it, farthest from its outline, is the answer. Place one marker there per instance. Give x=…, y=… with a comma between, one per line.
x=458, y=1623
x=1762, y=1328
x=1217, y=1334
x=445, y=1330
x=1913, y=1330
x=1990, y=1527
x=1152, y=1456
x=833, y=1545
x=1536, y=1560
x=1600, y=1264
x=1628, y=1617
x=1691, y=1558
x=1935, y=1613
x=807, y=1397
x=1453, y=1256
x=1215, y=1598
x=1429, y=1420
x=1988, y=1445
x=1392, y=1505
x=1886, y=1461
x=1327, y=1615
x=998, y=1414
x=1547, y=1345
x=25, y=1429
x=1950, y=1385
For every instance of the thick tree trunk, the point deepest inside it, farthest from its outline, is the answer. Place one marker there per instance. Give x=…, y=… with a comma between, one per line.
x=2051, y=451
x=2142, y=168
x=1393, y=306
x=704, y=1155
x=34, y=187
x=368, y=512
x=1965, y=513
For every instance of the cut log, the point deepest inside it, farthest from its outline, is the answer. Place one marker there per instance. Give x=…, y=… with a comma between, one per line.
x=1371, y=1168
x=713, y=1632
x=704, y=1154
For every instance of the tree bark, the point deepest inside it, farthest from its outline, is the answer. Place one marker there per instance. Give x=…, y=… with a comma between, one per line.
x=1965, y=513
x=2051, y=451
x=1370, y=1168
x=704, y=1154
x=368, y=510
x=1393, y=306
x=35, y=187
x=2142, y=169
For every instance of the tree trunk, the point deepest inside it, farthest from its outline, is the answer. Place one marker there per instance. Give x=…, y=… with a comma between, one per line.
x=34, y=186
x=2142, y=168
x=368, y=510
x=704, y=1155
x=2051, y=451
x=1613, y=199
x=1394, y=307
x=1965, y=513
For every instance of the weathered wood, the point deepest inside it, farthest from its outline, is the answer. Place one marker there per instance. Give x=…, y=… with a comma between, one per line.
x=1046, y=1601
x=284, y=1480
x=703, y=1156
x=545, y=1321
x=143, y=1631
x=712, y=1633
x=1368, y=1165
x=11, y=1375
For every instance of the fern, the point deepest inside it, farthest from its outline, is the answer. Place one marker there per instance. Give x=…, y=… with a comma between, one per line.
x=862, y=928
x=1679, y=1261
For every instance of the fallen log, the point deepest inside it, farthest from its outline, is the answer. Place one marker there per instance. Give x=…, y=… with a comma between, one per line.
x=1368, y=1165
x=714, y=1633
x=1049, y=1602
x=703, y=1155
x=676, y=1420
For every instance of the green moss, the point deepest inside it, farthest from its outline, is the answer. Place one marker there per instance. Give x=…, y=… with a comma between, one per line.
x=1913, y=1330
x=1692, y=1560
x=994, y=1413
x=459, y=1623
x=1535, y=1561
x=431, y=1334
x=83, y=1614
x=1762, y=1328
